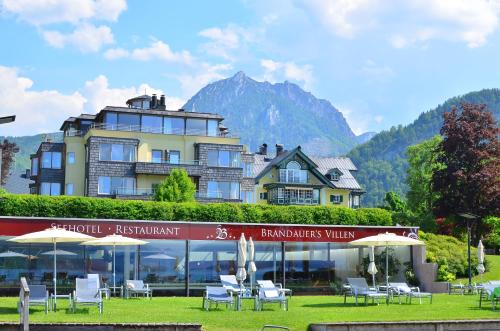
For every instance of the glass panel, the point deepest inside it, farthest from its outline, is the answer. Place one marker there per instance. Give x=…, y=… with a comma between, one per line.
x=105, y=152
x=71, y=157
x=173, y=125
x=224, y=189
x=208, y=260
x=151, y=124
x=55, y=189
x=45, y=189
x=69, y=189
x=128, y=185
x=156, y=156
x=307, y=266
x=46, y=159
x=213, y=158
x=235, y=190
x=174, y=157
x=104, y=185
x=212, y=189
x=235, y=159
x=196, y=127
x=34, y=166
x=293, y=165
x=129, y=122
x=248, y=169
x=164, y=262
x=56, y=160
x=99, y=260
x=117, y=185
x=213, y=125
x=129, y=153
x=224, y=158
x=268, y=259
x=111, y=121
x=117, y=152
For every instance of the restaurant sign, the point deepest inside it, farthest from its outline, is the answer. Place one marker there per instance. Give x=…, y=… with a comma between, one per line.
x=15, y=226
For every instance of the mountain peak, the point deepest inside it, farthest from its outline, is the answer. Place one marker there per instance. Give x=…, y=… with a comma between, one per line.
x=240, y=75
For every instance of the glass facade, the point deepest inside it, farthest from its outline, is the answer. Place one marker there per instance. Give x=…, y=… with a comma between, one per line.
x=174, y=266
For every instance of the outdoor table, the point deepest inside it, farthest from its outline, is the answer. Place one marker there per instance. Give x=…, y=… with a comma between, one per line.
x=106, y=291
x=246, y=296
x=53, y=304
x=114, y=289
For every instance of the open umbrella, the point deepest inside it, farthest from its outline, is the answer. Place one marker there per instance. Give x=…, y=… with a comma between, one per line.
x=252, y=268
x=114, y=240
x=12, y=254
x=59, y=252
x=385, y=240
x=480, y=259
x=53, y=236
x=372, y=268
x=241, y=274
x=160, y=256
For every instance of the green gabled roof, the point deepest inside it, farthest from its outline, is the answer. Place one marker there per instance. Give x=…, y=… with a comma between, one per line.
x=286, y=156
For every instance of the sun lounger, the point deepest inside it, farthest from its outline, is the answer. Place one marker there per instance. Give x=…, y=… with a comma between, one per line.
x=271, y=295
x=136, y=287
x=403, y=290
x=231, y=284
x=217, y=295
x=359, y=288
x=270, y=284
x=86, y=294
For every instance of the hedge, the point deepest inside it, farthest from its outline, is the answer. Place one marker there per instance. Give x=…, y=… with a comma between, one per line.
x=83, y=207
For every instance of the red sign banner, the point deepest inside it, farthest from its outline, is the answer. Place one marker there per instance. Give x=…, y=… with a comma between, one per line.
x=15, y=226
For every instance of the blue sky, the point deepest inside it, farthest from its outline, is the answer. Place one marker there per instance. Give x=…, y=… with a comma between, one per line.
x=380, y=62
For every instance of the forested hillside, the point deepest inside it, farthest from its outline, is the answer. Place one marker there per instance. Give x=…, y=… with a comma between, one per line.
x=382, y=160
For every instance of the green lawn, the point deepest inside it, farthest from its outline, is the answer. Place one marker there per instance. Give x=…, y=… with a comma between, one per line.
x=493, y=272
x=303, y=311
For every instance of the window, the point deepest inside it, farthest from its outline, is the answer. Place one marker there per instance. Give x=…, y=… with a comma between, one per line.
x=224, y=190
x=336, y=198
x=129, y=122
x=235, y=159
x=117, y=152
x=151, y=124
x=212, y=126
x=71, y=157
x=334, y=175
x=69, y=189
x=223, y=158
x=196, y=127
x=213, y=157
x=293, y=173
x=247, y=196
x=173, y=125
x=156, y=156
x=263, y=195
x=111, y=121
x=174, y=157
x=247, y=169
x=116, y=185
x=34, y=166
x=51, y=160
x=50, y=189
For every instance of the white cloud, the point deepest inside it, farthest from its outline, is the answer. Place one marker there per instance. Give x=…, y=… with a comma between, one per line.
x=40, y=111
x=274, y=70
x=42, y=12
x=192, y=83
x=376, y=72
x=157, y=51
x=224, y=42
x=87, y=38
x=378, y=118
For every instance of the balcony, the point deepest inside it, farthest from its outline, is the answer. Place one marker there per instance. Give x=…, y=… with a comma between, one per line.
x=192, y=167
x=147, y=194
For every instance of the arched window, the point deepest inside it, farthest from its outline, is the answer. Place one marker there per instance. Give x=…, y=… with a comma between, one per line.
x=293, y=165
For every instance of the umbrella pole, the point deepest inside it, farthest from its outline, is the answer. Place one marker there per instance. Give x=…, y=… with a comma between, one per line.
x=55, y=275
x=114, y=270
x=387, y=273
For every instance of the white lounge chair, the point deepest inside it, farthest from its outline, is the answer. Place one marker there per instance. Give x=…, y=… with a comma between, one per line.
x=359, y=288
x=86, y=294
x=39, y=296
x=218, y=295
x=271, y=295
x=402, y=289
x=231, y=284
x=95, y=282
x=136, y=287
x=270, y=284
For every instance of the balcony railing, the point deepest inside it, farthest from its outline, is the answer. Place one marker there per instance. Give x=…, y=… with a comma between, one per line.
x=295, y=201
x=147, y=192
x=180, y=162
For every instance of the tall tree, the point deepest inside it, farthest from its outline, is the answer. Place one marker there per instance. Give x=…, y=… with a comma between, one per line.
x=469, y=181
x=8, y=150
x=177, y=187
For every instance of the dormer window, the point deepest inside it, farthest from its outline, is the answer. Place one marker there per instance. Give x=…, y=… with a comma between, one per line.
x=334, y=174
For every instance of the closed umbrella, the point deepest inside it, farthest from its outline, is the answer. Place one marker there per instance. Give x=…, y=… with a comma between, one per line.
x=480, y=259
x=252, y=268
x=53, y=236
x=241, y=274
x=385, y=240
x=114, y=240
x=372, y=268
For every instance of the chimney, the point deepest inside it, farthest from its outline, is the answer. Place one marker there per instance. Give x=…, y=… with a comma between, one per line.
x=162, y=100
x=279, y=149
x=263, y=149
x=154, y=101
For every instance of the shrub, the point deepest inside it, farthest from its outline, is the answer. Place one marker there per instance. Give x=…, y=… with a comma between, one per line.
x=84, y=207
x=177, y=187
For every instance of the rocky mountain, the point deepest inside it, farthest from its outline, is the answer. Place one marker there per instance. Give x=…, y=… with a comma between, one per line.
x=261, y=112
x=382, y=160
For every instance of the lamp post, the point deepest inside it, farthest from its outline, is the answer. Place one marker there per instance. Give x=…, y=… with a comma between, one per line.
x=469, y=218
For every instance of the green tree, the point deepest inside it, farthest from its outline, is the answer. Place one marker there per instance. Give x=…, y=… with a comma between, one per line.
x=177, y=187
x=395, y=202
x=422, y=163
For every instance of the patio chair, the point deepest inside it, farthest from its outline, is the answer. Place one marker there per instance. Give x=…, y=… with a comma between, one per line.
x=136, y=287
x=271, y=295
x=96, y=282
x=86, y=294
x=402, y=289
x=39, y=296
x=359, y=288
x=490, y=291
x=270, y=284
x=231, y=284
x=218, y=295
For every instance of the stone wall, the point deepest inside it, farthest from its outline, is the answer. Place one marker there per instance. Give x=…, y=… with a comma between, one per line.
x=104, y=327
x=470, y=325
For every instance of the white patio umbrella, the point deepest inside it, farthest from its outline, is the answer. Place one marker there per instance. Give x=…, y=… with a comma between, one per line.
x=53, y=236
x=12, y=254
x=385, y=240
x=59, y=252
x=480, y=259
x=160, y=256
x=241, y=274
x=372, y=268
x=114, y=240
x=252, y=268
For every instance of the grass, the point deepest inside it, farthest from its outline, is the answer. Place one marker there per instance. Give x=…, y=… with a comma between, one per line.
x=493, y=272
x=303, y=310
